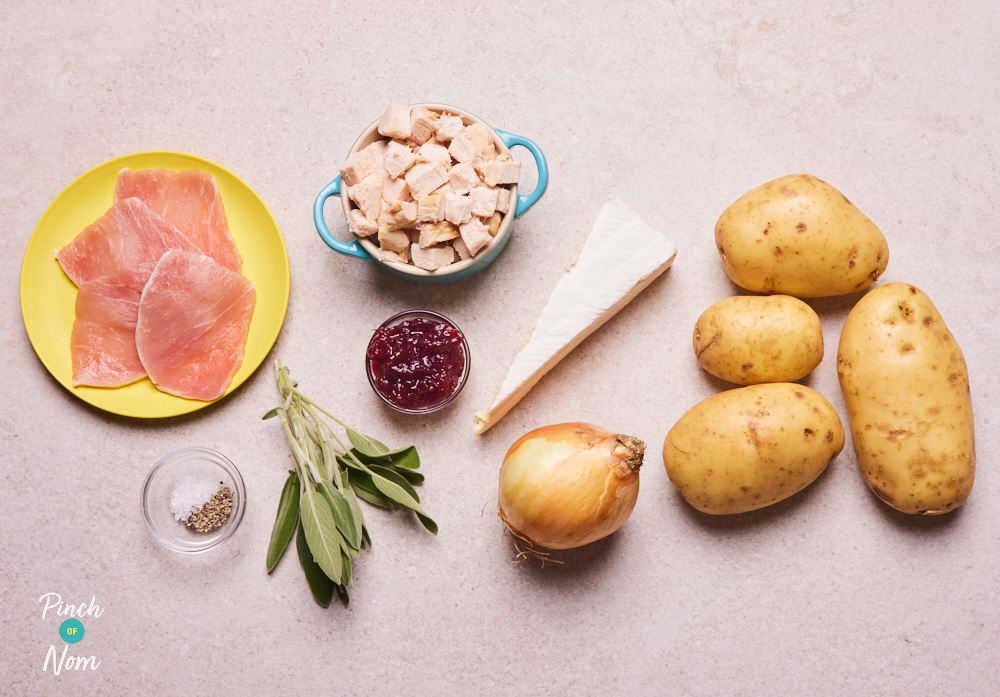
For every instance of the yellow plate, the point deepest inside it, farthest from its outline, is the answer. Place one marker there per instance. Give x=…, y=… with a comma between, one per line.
x=48, y=297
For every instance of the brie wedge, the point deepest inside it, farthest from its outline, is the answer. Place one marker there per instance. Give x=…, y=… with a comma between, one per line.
x=621, y=256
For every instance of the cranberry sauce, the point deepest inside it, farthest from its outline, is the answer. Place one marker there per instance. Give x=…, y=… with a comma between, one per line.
x=418, y=363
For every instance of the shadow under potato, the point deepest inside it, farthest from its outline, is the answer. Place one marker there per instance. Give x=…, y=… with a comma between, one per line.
x=915, y=524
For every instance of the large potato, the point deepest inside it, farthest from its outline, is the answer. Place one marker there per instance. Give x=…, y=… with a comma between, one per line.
x=749, y=339
x=800, y=236
x=750, y=447
x=906, y=388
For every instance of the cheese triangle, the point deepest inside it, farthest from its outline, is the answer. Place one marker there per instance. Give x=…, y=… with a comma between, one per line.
x=620, y=257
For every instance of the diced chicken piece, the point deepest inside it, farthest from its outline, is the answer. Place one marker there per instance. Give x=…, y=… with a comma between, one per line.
x=493, y=224
x=432, y=258
x=368, y=194
x=503, y=199
x=487, y=171
x=462, y=149
x=422, y=122
x=360, y=225
x=508, y=172
x=377, y=150
x=395, y=190
x=392, y=240
x=425, y=177
x=436, y=233
x=402, y=257
x=398, y=159
x=447, y=127
x=395, y=122
x=377, y=147
x=430, y=209
x=496, y=172
x=445, y=189
x=475, y=234
x=460, y=249
x=463, y=177
x=484, y=201
x=490, y=153
x=457, y=208
x=358, y=166
x=434, y=152
x=398, y=215
x=479, y=134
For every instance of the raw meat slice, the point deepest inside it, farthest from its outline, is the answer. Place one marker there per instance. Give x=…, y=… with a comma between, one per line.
x=190, y=201
x=102, y=344
x=194, y=318
x=125, y=242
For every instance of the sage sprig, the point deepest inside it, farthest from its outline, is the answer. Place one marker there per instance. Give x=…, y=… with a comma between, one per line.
x=320, y=496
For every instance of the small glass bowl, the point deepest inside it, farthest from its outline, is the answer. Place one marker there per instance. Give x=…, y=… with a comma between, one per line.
x=463, y=376
x=168, y=473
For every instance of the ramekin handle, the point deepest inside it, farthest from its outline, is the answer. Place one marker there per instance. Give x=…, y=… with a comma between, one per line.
x=528, y=200
x=352, y=248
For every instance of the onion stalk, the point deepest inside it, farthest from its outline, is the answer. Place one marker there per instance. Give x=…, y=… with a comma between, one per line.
x=567, y=485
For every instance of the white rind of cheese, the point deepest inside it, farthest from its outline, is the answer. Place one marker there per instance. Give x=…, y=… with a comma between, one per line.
x=620, y=257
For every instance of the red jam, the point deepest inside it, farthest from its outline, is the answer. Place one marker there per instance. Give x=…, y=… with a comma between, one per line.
x=417, y=364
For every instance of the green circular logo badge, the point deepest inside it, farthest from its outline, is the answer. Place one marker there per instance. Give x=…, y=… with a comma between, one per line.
x=71, y=630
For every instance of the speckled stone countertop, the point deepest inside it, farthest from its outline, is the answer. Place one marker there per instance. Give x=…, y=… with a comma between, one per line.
x=677, y=108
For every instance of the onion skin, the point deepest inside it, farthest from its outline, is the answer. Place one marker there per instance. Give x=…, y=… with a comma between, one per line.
x=567, y=485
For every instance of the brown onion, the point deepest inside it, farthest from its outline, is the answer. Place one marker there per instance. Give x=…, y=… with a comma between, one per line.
x=566, y=485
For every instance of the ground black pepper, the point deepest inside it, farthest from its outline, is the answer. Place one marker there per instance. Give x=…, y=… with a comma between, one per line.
x=213, y=514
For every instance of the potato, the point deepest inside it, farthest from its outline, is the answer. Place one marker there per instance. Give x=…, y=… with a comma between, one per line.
x=906, y=387
x=749, y=339
x=750, y=447
x=800, y=236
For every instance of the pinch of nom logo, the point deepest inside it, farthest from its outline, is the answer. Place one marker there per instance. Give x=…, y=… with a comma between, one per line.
x=71, y=632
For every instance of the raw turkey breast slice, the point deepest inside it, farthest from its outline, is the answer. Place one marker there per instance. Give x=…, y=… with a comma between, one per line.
x=190, y=201
x=126, y=242
x=194, y=318
x=102, y=344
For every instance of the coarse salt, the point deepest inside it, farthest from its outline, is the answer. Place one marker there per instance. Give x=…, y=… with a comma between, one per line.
x=190, y=494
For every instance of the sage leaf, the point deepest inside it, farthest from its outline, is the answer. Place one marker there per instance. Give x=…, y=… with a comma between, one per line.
x=405, y=457
x=352, y=461
x=413, y=477
x=396, y=478
x=319, y=583
x=373, y=498
x=361, y=483
x=427, y=522
x=358, y=458
x=345, y=555
x=396, y=493
x=321, y=532
x=356, y=514
x=402, y=457
x=343, y=516
x=342, y=594
x=366, y=445
x=400, y=496
x=271, y=414
x=285, y=521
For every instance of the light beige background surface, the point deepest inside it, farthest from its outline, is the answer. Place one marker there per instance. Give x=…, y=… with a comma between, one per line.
x=676, y=107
